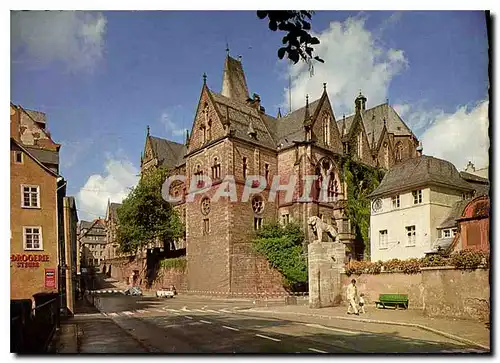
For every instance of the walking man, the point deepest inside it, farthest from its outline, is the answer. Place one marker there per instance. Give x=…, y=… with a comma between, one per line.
x=351, y=297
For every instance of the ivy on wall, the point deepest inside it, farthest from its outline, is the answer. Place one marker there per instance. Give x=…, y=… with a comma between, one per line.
x=178, y=263
x=361, y=180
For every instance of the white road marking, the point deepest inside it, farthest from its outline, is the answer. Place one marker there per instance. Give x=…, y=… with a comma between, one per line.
x=113, y=314
x=225, y=311
x=158, y=310
x=142, y=311
x=198, y=310
x=173, y=310
x=184, y=308
x=230, y=328
x=104, y=314
x=128, y=313
x=317, y=350
x=333, y=329
x=266, y=337
x=188, y=317
x=205, y=322
x=212, y=311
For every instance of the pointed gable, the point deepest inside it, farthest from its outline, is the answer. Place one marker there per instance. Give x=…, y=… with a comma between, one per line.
x=234, y=84
x=324, y=113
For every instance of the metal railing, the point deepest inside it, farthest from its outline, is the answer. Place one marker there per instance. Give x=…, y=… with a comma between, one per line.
x=31, y=330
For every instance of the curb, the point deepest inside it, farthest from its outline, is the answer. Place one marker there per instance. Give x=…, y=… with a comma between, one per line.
x=423, y=327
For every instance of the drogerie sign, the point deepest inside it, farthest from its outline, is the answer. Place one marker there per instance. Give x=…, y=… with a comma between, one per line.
x=26, y=261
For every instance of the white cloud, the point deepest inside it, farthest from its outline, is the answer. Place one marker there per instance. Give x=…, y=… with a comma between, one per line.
x=114, y=184
x=172, y=128
x=354, y=61
x=75, y=38
x=459, y=137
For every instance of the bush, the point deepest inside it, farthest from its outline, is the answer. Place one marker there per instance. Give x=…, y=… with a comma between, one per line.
x=434, y=260
x=469, y=259
x=174, y=263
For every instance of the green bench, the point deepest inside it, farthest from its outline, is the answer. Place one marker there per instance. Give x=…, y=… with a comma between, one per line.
x=392, y=300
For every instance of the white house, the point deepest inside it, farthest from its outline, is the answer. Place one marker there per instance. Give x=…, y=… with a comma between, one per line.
x=410, y=204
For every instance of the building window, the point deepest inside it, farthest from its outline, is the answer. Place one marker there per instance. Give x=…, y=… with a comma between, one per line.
x=18, y=157
x=257, y=204
x=209, y=131
x=326, y=130
x=266, y=171
x=399, y=151
x=244, y=168
x=395, y=202
x=382, y=239
x=205, y=206
x=216, y=169
x=257, y=223
x=206, y=226
x=198, y=174
x=31, y=196
x=454, y=231
x=345, y=226
x=33, y=238
x=446, y=233
x=417, y=196
x=360, y=145
x=285, y=218
x=411, y=235
x=333, y=188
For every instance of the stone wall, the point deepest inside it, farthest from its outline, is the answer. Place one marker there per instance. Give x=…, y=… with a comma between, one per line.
x=457, y=293
x=438, y=291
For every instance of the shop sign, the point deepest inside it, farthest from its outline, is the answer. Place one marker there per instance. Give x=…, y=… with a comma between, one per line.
x=50, y=278
x=27, y=261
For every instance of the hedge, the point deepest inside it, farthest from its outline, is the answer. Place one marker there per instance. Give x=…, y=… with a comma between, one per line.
x=465, y=259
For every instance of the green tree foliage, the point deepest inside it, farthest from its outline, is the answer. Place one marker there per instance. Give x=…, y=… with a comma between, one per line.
x=282, y=246
x=361, y=181
x=298, y=41
x=145, y=216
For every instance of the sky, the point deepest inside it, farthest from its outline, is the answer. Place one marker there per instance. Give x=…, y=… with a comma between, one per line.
x=102, y=77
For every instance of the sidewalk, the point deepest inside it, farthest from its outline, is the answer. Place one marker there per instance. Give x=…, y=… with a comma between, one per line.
x=90, y=332
x=468, y=331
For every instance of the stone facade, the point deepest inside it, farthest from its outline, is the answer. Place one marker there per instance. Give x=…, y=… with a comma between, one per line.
x=233, y=136
x=92, y=239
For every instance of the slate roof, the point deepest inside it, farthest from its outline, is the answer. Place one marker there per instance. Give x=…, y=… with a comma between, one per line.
x=373, y=120
x=169, y=153
x=234, y=84
x=455, y=212
x=241, y=115
x=443, y=243
x=290, y=128
x=37, y=116
x=94, y=228
x=481, y=185
x=45, y=156
x=113, y=207
x=420, y=171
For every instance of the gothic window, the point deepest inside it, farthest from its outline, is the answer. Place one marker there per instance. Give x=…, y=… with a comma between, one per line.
x=203, y=134
x=326, y=130
x=266, y=171
x=386, y=155
x=206, y=226
x=399, y=151
x=209, y=130
x=216, y=169
x=205, y=206
x=257, y=204
x=244, y=168
x=198, y=173
x=333, y=188
x=257, y=223
x=360, y=145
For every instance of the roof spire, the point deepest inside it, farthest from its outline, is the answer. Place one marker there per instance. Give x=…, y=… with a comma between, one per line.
x=147, y=128
x=307, y=116
x=324, y=86
x=204, y=78
x=343, y=125
x=385, y=123
x=279, y=113
x=187, y=137
x=227, y=49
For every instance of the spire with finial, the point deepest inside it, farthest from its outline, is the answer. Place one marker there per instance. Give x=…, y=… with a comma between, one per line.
x=324, y=87
x=343, y=125
x=227, y=49
x=307, y=116
x=204, y=78
x=385, y=123
x=147, y=130
x=279, y=113
x=187, y=137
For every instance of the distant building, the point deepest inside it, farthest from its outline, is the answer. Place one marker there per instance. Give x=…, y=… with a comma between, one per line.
x=482, y=172
x=111, y=222
x=92, y=239
x=411, y=205
x=70, y=251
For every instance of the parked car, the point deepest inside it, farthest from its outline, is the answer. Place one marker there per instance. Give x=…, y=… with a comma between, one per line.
x=168, y=292
x=133, y=291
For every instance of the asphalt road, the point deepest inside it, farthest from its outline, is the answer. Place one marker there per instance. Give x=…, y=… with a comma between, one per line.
x=194, y=325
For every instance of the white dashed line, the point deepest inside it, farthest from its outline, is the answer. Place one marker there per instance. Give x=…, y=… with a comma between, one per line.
x=230, y=328
x=205, y=322
x=198, y=310
x=225, y=311
x=266, y=337
x=188, y=317
x=317, y=350
x=333, y=329
x=113, y=314
x=128, y=313
x=212, y=311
